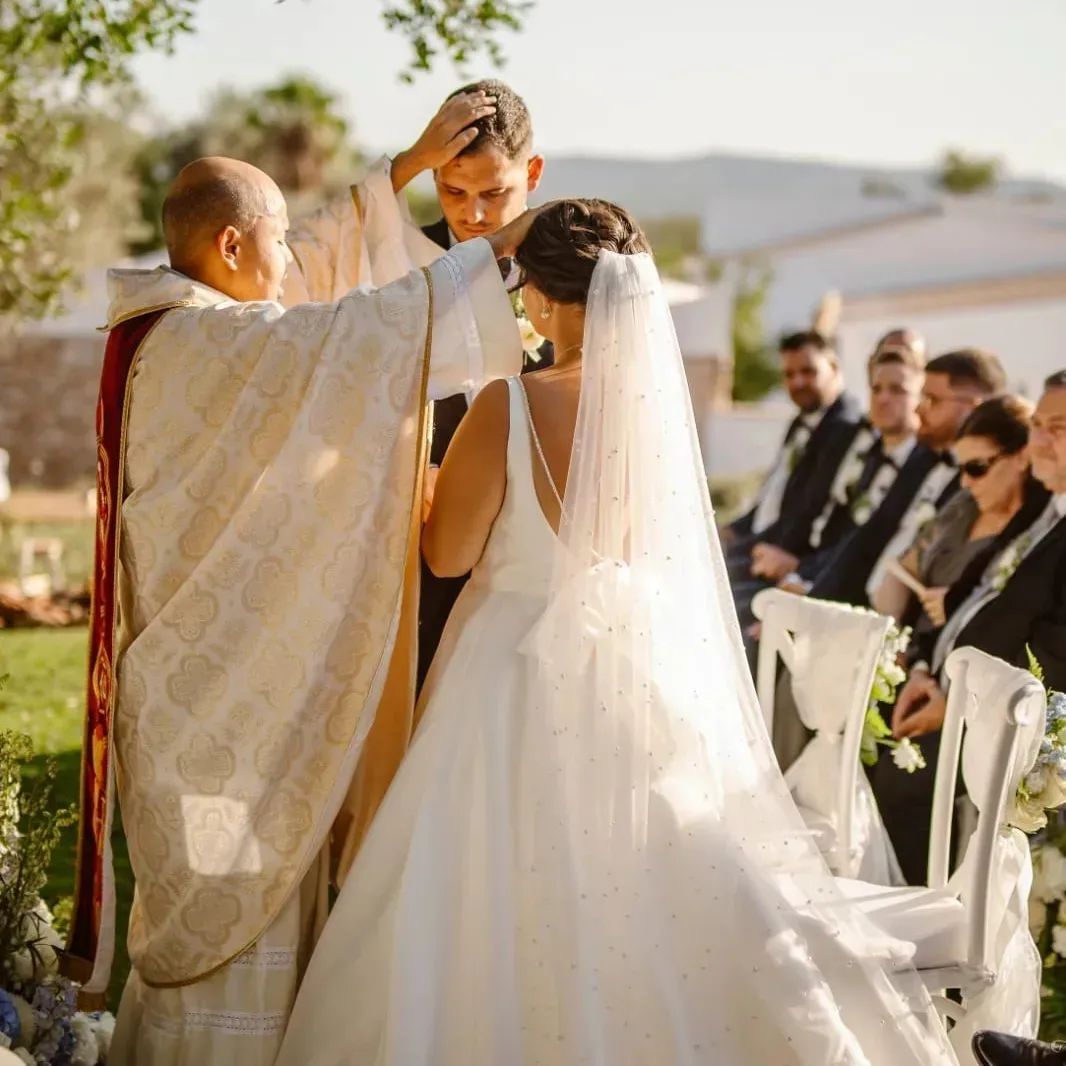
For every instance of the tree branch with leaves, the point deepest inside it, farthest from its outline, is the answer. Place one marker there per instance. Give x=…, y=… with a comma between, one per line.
x=61, y=54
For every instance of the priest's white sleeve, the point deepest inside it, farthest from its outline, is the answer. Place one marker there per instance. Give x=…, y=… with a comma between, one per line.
x=475, y=335
x=363, y=237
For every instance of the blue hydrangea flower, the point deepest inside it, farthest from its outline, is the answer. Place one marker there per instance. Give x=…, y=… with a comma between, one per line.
x=9, y=1018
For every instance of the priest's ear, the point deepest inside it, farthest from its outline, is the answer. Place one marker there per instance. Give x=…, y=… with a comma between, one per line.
x=534, y=170
x=228, y=243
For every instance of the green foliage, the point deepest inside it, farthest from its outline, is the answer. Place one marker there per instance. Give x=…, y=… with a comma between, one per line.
x=60, y=55
x=55, y=53
x=293, y=130
x=1034, y=665
x=29, y=832
x=459, y=29
x=755, y=369
x=963, y=175
x=675, y=243
x=46, y=700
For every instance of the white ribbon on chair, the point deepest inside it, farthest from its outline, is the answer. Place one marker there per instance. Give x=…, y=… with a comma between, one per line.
x=1011, y=1003
x=830, y=683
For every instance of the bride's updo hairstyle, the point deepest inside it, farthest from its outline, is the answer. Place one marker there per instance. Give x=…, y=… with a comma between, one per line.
x=560, y=251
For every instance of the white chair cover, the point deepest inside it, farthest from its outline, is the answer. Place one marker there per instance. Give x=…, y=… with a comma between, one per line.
x=1003, y=710
x=971, y=930
x=831, y=653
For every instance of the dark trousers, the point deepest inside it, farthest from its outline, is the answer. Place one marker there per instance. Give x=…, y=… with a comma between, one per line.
x=436, y=600
x=906, y=805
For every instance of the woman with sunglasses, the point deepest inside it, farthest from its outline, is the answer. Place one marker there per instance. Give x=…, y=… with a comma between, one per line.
x=1000, y=500
x=994, y=474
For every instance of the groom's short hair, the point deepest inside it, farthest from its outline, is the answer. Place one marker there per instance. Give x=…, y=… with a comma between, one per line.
x=510, y=129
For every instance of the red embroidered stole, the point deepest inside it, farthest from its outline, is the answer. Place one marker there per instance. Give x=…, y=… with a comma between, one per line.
x=91, y=936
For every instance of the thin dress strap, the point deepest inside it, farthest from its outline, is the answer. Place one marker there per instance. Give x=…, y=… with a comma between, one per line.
x=536, y=444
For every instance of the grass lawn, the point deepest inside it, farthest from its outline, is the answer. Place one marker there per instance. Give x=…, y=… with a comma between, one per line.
x=45, y=698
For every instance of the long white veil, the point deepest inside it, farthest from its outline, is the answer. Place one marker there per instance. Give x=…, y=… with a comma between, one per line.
x=696, y=915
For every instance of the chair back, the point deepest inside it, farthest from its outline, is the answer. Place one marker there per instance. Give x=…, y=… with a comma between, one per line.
x=994, y=723
x=831, y=653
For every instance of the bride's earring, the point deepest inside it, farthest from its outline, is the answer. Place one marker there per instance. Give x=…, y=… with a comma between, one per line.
x=545, y=312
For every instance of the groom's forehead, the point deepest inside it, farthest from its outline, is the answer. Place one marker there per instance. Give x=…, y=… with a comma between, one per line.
x=484, y=169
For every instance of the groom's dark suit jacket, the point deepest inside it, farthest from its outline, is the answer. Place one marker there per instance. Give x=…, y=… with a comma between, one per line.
x=439, y=594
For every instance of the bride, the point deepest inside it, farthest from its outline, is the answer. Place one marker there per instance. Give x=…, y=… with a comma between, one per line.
x=589, y=854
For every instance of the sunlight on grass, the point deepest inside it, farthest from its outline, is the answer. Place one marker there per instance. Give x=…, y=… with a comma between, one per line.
x=45, y=698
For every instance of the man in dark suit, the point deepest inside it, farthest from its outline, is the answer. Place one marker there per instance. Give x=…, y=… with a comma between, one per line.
x=955, y=383
x=798, y=483
x=1005, y=605
x=482, y=189
x=876, y=450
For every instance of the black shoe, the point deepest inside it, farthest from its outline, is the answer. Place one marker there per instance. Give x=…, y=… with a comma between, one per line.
x=1002, y=1049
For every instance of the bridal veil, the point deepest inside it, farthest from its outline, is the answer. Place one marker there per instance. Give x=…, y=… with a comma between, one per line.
x=661, y=838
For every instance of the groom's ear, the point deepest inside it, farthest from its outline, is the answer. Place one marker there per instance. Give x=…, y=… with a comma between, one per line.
x=534, y=170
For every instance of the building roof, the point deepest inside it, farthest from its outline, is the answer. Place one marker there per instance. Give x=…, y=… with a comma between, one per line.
x=963, y=243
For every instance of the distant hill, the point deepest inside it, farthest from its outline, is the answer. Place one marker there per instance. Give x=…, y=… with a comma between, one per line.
x=658, y=188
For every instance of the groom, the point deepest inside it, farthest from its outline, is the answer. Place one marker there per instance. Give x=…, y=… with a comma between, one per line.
x=482, y=189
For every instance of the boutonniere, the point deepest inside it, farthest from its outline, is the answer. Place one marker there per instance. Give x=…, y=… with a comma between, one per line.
x=861, y=509
x=924, y=513
x=1010, y=560
x=531, y=339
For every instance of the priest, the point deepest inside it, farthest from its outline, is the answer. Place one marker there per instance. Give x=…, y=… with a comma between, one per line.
x=255, y=589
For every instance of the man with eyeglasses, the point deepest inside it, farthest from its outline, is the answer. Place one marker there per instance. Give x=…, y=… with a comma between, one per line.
x=955, y=383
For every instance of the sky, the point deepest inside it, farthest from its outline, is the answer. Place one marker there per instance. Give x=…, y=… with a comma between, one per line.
x=846, y=80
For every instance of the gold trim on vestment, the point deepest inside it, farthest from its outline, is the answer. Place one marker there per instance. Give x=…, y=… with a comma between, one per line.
x=114, y=516
x=170, y=306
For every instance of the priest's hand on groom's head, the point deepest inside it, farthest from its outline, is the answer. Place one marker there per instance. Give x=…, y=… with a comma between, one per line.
x=450, y=130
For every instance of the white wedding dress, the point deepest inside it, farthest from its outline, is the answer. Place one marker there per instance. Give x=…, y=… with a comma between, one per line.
x=569, y=868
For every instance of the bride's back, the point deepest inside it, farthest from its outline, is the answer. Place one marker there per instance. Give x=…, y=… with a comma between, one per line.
x=557, y=260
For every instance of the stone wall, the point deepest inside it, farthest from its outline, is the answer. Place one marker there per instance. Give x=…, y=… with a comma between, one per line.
x=48, y=390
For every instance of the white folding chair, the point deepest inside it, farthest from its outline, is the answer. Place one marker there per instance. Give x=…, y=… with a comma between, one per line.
x=831, y=653
x=970, y=928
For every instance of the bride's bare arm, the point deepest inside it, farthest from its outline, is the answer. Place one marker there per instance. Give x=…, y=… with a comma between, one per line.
x=470, y=486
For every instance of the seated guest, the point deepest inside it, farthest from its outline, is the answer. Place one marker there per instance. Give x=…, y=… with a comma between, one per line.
x=802, y=471
x=879, y=448
x=1007, y=601
x=955, y=384
x=995, y=478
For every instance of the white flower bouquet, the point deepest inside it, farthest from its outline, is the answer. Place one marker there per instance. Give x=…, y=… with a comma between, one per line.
x=887, y=679
x=1043, y=788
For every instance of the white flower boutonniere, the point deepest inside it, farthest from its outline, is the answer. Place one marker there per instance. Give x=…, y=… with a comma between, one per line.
x=861, y=509
x=531, y=339
x=1010, y=560
x=924, y=513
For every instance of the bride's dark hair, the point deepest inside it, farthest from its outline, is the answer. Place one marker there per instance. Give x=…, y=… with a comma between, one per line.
x=560, y=251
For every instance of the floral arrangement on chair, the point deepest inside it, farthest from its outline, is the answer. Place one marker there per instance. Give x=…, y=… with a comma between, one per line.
x=887, y=679
x=39, y=1021
x=1043, y=788
x=1039, y=810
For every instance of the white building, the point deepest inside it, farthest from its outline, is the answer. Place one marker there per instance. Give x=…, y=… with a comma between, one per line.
x=964, y=272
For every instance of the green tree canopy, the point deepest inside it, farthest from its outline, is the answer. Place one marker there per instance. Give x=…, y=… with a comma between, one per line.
x=60, y=54
x=963, y=175
x=293, y=130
